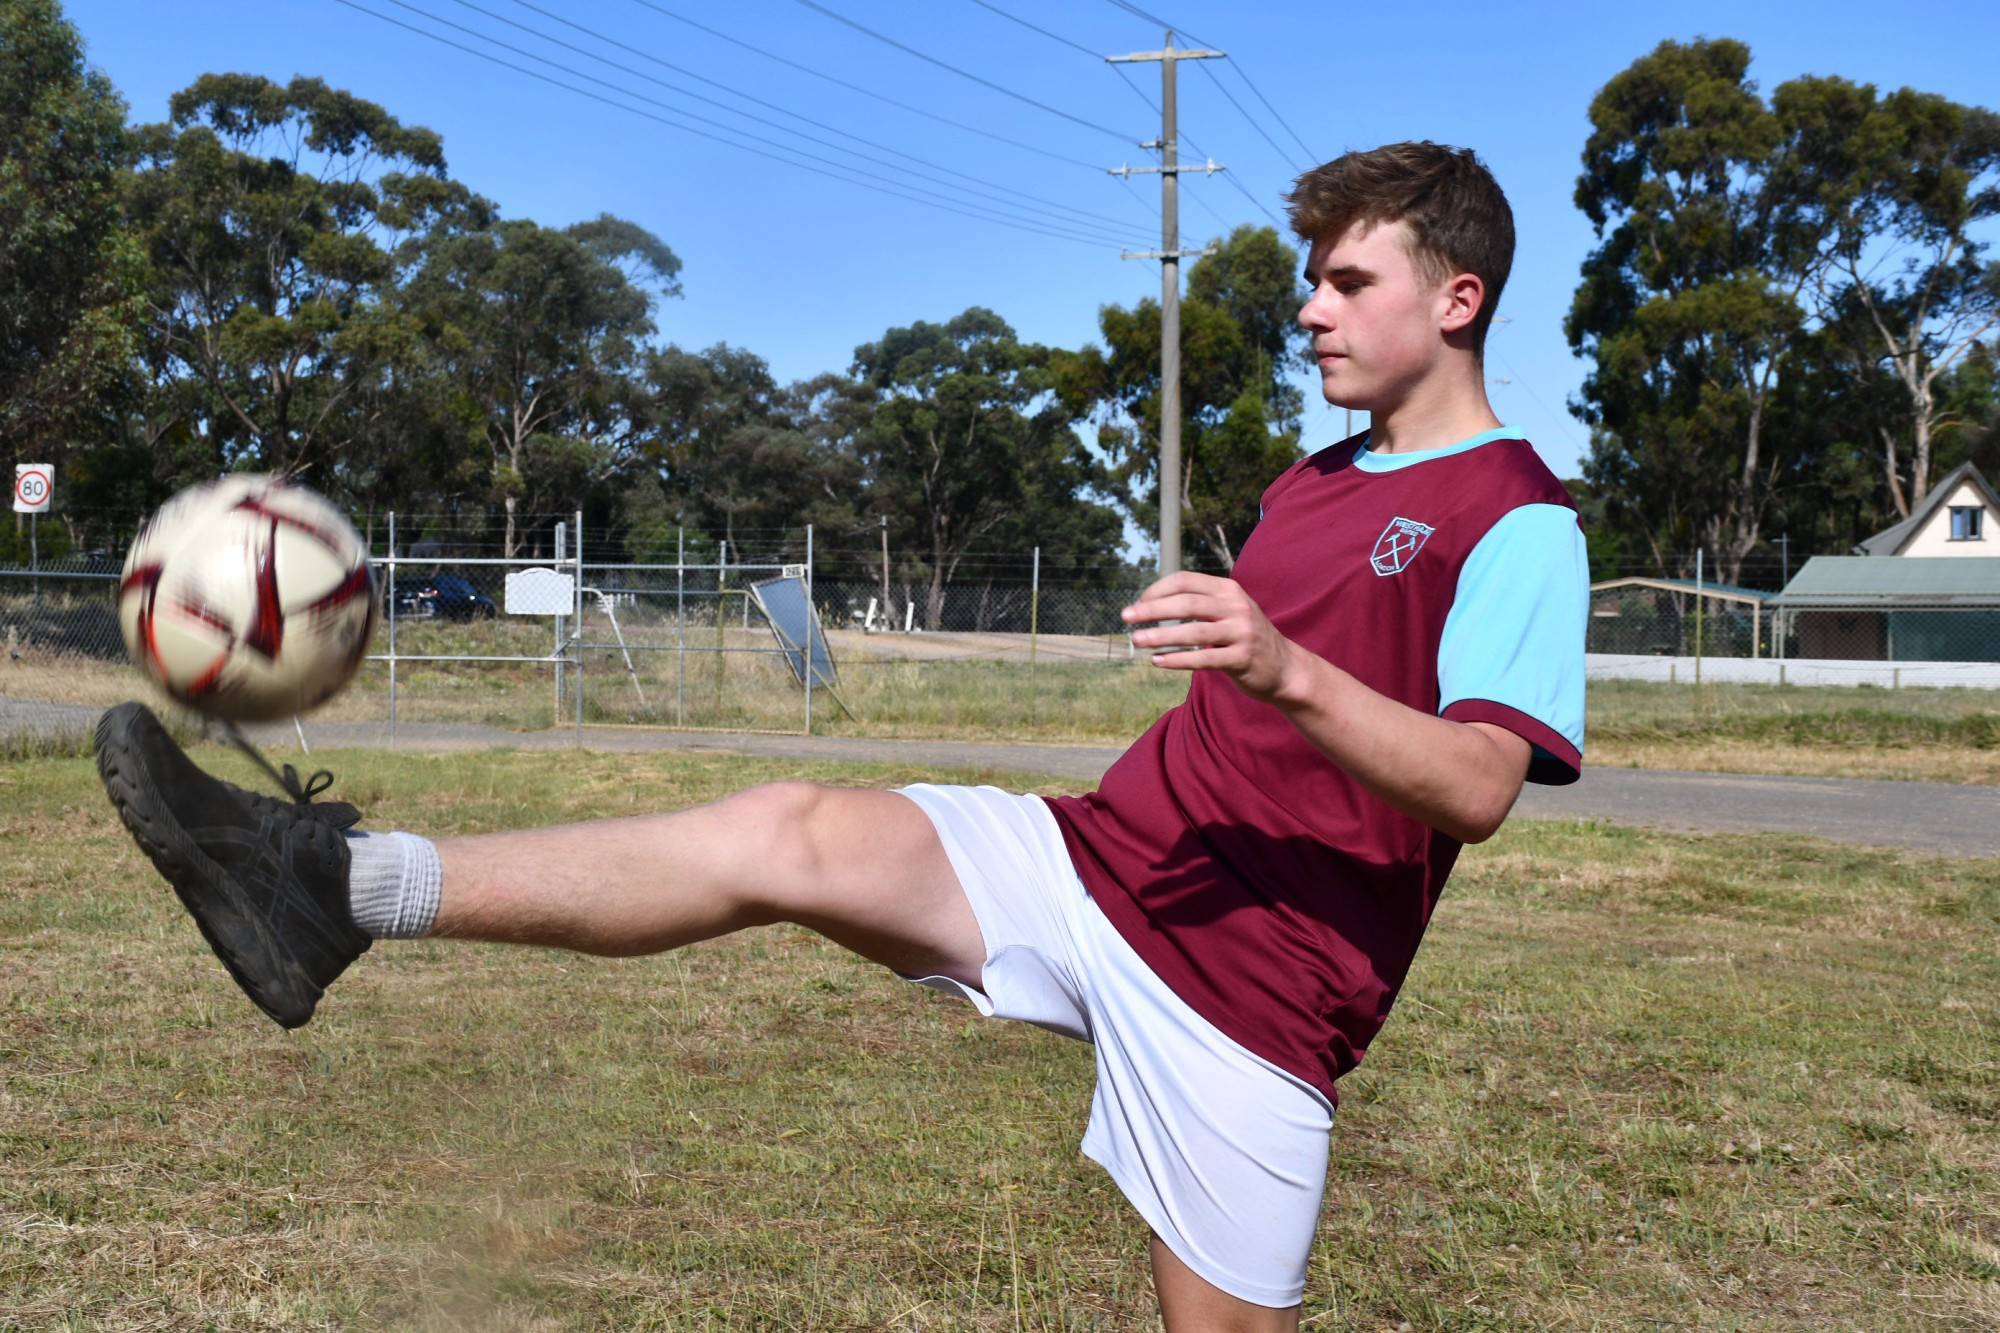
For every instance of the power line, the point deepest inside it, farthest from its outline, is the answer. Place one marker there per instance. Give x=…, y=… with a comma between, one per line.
x=963, y=73
x=1054, y=37
x=1561, y=424
x=864, y=91
x=1104, y=232
x=1126, y=181
x=1241, y=73
x=1223, y=88
x=1231, y=177
x=832, y=170
x=1151, y=105
x=1207, y=207
x=979, y=187
x=1142, y=96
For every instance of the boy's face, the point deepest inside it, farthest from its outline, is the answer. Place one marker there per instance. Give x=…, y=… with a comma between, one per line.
x=1376, y=324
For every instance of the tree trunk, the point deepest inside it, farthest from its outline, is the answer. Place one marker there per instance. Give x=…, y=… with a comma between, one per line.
x=1924, y=406
x=1217, y=539
x=1749, y=509
x=934, y=603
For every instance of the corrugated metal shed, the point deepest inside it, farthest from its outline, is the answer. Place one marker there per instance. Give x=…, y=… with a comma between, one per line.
x=1864, y=582
x=1726, y=591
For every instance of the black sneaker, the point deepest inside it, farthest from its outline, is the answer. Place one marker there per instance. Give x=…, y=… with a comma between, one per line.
x=265, y=879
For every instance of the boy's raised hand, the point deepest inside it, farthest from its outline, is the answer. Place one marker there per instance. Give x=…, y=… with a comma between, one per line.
x=1220, y=629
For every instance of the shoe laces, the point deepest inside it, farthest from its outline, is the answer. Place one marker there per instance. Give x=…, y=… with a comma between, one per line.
x=330, y=816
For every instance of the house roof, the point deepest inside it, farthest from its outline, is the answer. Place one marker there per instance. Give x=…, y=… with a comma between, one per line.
x=1891, y=540
x=1863, y=581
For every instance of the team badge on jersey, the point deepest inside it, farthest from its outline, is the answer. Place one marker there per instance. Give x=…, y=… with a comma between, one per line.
x=1399, y=544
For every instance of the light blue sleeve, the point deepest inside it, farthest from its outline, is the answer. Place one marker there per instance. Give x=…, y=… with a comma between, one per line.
x=1514, y=637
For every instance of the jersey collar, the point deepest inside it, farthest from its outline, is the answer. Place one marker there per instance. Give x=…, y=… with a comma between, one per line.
x=1372, y=462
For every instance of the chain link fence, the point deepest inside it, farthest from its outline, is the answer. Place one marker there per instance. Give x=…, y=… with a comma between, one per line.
x=680, y=642
x=679, y=639
x=1674, y=630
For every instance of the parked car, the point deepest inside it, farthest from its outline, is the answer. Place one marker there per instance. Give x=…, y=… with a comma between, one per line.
x=440, y=597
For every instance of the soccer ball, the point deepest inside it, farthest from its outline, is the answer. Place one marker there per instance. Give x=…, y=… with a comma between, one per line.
x=247, y=599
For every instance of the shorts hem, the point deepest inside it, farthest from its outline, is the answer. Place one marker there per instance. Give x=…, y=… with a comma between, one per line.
x=1141, y=1201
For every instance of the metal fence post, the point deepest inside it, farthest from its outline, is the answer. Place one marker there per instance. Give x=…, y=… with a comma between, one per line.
x=1034, y=633
x=721, y=624
x=576, y=627
x=558, y=557
x=812, y=618
x=680, y=627
x=392, y=629
x=1699, y=601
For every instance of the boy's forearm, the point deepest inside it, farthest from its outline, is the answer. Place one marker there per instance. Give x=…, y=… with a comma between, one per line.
x=1459, y=777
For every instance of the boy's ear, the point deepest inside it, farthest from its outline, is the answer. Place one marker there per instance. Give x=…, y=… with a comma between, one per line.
x=1463, y=294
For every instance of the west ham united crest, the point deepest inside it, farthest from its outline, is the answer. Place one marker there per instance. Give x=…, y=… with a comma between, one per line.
x=1399, y=544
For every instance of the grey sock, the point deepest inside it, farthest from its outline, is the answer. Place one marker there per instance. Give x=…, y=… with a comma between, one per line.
x=394, y=883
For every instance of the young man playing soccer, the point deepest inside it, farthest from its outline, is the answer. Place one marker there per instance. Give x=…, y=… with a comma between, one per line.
x=1229, y=917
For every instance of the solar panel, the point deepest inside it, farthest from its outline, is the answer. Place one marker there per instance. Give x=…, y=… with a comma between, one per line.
x=796, y=625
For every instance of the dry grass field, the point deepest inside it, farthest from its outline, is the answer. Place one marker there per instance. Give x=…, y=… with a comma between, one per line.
x=1637, y=1081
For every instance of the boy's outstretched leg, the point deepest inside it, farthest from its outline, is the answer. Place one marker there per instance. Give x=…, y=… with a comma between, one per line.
x=862, y=867
x=267, y=879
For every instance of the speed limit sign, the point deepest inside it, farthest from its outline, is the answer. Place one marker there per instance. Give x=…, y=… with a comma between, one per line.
x=34, y=487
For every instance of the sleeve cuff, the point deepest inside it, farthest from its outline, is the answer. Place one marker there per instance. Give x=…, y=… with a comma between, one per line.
x=1555, y=762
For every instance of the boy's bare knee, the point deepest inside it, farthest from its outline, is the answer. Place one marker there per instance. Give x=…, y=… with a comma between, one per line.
x=784, y=840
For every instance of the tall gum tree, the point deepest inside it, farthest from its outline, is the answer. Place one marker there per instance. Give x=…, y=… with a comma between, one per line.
x=68, y=279
x=1900, y=185
x=954, y=425
x=272, y=215
x=1239, y=338
x=543, y=331
x=1690, y=307
x=735, y=452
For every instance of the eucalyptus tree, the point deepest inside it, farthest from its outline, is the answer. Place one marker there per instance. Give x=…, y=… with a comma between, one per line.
x=1901, y=186
x=273, y=216
x=67, y=276
x=735, y=453
x=1690, y=308
x=958, y=431
x=541, y=332
x=1240, y=339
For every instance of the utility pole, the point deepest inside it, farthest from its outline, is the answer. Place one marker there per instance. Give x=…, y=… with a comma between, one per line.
x=1169, y=254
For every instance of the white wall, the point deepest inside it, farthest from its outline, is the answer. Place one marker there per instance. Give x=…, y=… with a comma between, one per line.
x=1791, y=671
x=1934, y=538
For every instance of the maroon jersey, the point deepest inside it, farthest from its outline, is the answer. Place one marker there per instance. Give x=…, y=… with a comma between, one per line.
x=1257, y=878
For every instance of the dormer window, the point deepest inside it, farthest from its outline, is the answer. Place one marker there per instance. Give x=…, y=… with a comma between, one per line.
x=1968, y=523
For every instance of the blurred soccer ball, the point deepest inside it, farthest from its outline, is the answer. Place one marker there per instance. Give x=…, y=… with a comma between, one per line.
x=248, y=599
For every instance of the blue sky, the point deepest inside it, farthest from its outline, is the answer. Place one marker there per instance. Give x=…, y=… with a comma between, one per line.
x=801, y=268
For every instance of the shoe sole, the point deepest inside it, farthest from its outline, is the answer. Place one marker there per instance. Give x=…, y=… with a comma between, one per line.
x=231, y=926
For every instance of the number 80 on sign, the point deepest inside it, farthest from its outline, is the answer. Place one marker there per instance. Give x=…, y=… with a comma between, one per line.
x=34, y=487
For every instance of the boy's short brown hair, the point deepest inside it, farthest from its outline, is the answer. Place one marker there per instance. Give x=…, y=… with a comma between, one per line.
x=1458, y=217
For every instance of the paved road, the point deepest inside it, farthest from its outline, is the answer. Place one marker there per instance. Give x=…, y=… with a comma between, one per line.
x=1939, y=817
x=1943, y=818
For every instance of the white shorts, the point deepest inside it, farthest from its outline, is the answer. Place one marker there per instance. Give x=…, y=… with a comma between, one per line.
x=1223, y=1153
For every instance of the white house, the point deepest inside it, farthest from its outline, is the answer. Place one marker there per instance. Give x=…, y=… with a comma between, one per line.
x=1960, y=517
x=1928, y=604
